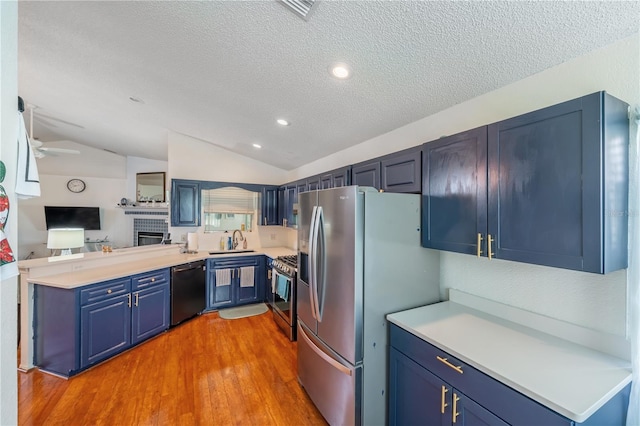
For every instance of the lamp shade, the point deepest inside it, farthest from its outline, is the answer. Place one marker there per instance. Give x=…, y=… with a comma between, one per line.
x=65, y=238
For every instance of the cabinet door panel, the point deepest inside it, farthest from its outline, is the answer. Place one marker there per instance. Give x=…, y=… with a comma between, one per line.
x=105, y=329
x=221, y=296
x=454, y=201
x=270, y=206
x=150, y=312
x=367, y=174
x=247, y=294
x=415, y=395
x=473, y=414
x=185, y=203
x=402, y=172
x=326, y=181
x=342, y=177
x=555, y=175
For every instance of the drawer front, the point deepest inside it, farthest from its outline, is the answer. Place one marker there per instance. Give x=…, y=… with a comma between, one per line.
x=150, y=279
x=105, y=290
x=235, y=262
x=510, y=405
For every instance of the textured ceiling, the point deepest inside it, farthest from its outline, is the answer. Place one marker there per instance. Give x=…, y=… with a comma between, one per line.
x=223, y=71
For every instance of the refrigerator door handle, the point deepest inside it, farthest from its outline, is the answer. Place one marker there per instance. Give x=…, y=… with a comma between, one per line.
x=312, y=262
x=322, y=261
x=335, y=364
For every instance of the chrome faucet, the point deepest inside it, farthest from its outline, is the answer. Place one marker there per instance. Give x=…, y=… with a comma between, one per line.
x=235, y=241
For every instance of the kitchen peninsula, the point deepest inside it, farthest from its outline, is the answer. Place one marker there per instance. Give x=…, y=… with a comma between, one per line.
x=78, y=274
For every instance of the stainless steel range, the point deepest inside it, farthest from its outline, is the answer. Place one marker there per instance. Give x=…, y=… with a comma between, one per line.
x=283, y=293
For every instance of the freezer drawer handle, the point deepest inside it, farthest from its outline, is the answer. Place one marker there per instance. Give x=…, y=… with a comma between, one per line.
x=335, y=364
x=448, y=364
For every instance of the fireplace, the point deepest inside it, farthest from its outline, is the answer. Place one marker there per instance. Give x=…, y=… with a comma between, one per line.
x=145, y=238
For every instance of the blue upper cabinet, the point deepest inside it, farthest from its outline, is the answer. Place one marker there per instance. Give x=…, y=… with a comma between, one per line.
x=185, y=203
x=558, y=185
x=397, y=172
x=366, y=174
x=549, y=187
x=341, y=177
x=454, y=200
x=270, y=211
x=402, y=171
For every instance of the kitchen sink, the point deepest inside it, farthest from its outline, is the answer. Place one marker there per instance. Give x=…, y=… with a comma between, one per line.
x=232, y=251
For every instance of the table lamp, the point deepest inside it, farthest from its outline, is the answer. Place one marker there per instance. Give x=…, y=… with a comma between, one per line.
x=65, y=239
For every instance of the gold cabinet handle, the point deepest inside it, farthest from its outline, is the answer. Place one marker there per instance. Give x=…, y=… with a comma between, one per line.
x=446, y=362
x=109, y=291
x=137, y=299
x=153, y=280
x=489, y=242
x=129, y=297
x=454, y=412
x=443, y=403
x=479, y=244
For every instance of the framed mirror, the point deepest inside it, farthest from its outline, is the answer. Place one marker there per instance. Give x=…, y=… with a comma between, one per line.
x=150, y=187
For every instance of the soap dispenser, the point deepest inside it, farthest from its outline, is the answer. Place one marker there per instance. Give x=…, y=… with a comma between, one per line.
x=221, y=243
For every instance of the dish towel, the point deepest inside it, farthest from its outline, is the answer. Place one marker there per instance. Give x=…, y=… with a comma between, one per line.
x=27, y=180
x=223, y=277
x=282, y=288
x=246, y=276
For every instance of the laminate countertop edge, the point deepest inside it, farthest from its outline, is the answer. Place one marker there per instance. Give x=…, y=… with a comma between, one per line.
x=570, y=379
x=83, y=277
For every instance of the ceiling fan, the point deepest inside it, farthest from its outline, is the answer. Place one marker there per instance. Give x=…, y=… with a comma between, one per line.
x=39, y=150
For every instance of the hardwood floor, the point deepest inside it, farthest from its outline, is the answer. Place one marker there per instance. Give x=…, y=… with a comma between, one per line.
x=208, y=371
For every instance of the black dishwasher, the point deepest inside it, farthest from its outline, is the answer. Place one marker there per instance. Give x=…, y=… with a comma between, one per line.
x=188, y=291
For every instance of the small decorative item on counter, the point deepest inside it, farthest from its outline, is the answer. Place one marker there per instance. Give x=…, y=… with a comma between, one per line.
x=229, y=244
x=221, y=243
x=106, y=248
x=242, y=227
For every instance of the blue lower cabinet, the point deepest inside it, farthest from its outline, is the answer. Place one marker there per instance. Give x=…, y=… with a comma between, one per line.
x=228, y=287
x=424, y=390
x=105, y=329
x=77, y=328
x=149, y=313
x=418, y=396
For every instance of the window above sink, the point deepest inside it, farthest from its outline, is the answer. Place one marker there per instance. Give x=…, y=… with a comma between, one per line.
x=229, y=208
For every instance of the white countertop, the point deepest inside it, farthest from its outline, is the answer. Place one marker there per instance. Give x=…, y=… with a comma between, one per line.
x=573, y=380
x=91, y=275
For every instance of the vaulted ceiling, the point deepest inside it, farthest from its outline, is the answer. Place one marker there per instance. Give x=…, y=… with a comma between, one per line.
x=224, y=71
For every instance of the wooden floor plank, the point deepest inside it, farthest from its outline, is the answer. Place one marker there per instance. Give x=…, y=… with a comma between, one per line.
x=206, y=371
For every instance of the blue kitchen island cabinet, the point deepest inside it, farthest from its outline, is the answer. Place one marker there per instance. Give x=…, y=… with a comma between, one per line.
x=429, y=386
x=77, y=328
x=237, y=291
x=185, y=202
x=150, y=307
x=555, y=184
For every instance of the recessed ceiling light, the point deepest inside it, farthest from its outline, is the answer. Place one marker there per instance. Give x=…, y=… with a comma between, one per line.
x=257, y=145
x=340, y=70
x=282, y=122
x=136, y=100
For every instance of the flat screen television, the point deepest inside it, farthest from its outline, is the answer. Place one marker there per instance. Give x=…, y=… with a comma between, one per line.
x=72, y=217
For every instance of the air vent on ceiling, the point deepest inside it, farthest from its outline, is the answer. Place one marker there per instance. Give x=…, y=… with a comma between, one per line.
x=302, y=8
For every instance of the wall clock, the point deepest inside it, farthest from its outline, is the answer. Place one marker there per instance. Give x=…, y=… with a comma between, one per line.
x=76, y=185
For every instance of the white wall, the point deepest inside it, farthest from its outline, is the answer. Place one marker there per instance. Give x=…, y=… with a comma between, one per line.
x=593, y=301
x=191, y=158
x=8, y=154
x=143, y=165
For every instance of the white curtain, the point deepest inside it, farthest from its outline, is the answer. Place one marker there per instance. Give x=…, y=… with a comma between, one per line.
x=633, y=273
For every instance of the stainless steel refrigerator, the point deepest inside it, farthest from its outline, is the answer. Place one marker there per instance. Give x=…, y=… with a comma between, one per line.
x=359, y=259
